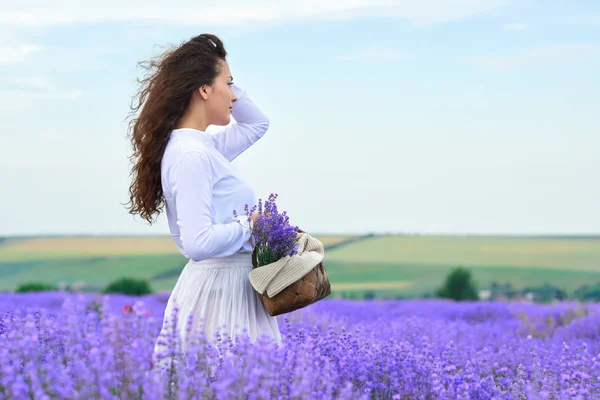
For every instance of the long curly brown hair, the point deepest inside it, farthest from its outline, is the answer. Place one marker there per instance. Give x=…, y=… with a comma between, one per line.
x=164, y=95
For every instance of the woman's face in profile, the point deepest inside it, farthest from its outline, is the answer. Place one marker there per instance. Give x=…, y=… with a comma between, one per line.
x=221, y=97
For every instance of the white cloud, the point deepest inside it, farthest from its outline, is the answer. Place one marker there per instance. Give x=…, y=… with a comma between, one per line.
x=536, y=57
x=374, y=55
x=17, y=53
x=39, y=95
x=515, y=26
x=12, y=100
x=36, y=82
x=579, y=17
x=36, y=13
x=53, y=59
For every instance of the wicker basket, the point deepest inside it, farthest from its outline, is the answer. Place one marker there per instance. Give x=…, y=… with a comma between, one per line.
x=309, y=289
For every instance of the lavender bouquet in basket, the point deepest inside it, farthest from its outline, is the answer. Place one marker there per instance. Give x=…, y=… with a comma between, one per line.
x=272, y=236
x=287, y=263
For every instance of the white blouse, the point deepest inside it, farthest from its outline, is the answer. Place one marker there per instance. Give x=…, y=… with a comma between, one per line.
x=202, y=189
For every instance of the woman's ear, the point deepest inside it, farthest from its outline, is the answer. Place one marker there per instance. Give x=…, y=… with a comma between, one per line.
x=204, y=91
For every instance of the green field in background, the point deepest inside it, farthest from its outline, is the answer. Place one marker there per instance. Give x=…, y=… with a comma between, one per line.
x=546, y=253
x=16, y=250
x=393, y=265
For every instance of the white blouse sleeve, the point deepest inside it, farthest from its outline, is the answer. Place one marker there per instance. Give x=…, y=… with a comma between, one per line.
x=250, y=125
x=191, y=184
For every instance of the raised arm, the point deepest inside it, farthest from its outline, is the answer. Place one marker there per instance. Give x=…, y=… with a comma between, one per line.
x=251, y=124
x=192, y=185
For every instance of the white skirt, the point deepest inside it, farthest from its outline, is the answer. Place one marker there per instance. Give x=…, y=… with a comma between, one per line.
x=218, y=296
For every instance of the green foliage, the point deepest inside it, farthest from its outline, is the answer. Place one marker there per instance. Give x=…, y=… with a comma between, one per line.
x=34, y=287
x=458, y=286
x=369, y=295
x=129, y=286
x=546, y=293
x=588, y=292
x=499, y=289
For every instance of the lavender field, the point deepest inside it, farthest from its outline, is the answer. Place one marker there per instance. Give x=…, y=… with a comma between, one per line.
x=54, y=345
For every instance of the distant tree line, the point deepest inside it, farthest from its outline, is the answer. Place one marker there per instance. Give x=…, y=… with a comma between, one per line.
x=458, y=285
x=124, y=285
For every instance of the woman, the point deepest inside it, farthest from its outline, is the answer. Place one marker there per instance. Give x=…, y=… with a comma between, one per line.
x=180, y=166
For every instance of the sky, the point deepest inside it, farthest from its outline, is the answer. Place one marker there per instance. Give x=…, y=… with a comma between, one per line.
x=412, y=116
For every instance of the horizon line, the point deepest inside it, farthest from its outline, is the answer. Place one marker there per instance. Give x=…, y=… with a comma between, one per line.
x=316, y=234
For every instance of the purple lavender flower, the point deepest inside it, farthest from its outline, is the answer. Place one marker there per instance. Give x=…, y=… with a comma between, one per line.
x=56, y=345
x=273, y=236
